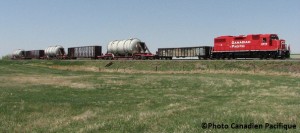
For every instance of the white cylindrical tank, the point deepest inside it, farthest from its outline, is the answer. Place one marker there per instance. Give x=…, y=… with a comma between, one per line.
x=54, y=51
x=18, y=53
x=129, y=46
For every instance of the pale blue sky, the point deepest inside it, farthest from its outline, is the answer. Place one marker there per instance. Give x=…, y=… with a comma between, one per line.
x=37, y=24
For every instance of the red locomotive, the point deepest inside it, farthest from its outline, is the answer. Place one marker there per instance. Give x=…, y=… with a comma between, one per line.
x=250, y=46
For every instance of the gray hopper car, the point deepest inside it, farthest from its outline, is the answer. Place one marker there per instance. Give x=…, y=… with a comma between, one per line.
x=202, y=52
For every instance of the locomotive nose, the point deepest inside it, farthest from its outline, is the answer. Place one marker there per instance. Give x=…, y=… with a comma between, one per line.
x=282, y=43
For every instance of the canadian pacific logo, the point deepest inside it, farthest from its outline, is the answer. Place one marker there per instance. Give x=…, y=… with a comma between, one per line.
x=240, y=42
x=237, y=46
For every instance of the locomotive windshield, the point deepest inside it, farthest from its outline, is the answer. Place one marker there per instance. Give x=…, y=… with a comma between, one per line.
x=274, y=37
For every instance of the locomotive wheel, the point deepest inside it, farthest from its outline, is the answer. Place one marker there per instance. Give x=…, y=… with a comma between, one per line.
x=261, y=57
x=274, y=56
x=222, y=57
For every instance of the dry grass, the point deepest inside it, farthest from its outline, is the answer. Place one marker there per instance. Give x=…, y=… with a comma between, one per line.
x=57, y=122
x=84, y=116
x=59, y=81
x=76, y=68
x=133, y=71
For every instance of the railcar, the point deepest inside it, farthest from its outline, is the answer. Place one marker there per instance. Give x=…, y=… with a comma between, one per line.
x=92, y=52
x=18, y=54
x=55, y=52
x=34, y=54
x=127, y=49
x=200, y=52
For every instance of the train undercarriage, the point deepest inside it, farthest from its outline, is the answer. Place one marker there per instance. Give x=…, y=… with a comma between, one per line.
x=252, y=54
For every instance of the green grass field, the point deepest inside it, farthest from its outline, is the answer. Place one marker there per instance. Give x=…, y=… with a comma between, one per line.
x=147, y=96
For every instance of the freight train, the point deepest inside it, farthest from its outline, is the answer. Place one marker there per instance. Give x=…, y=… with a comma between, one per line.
x=263, y=46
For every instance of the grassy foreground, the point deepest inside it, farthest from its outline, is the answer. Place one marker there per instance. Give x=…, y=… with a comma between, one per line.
x=147, y=96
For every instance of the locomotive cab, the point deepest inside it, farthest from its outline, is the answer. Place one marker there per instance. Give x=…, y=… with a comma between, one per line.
x=283, y=50
x=274, y=40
